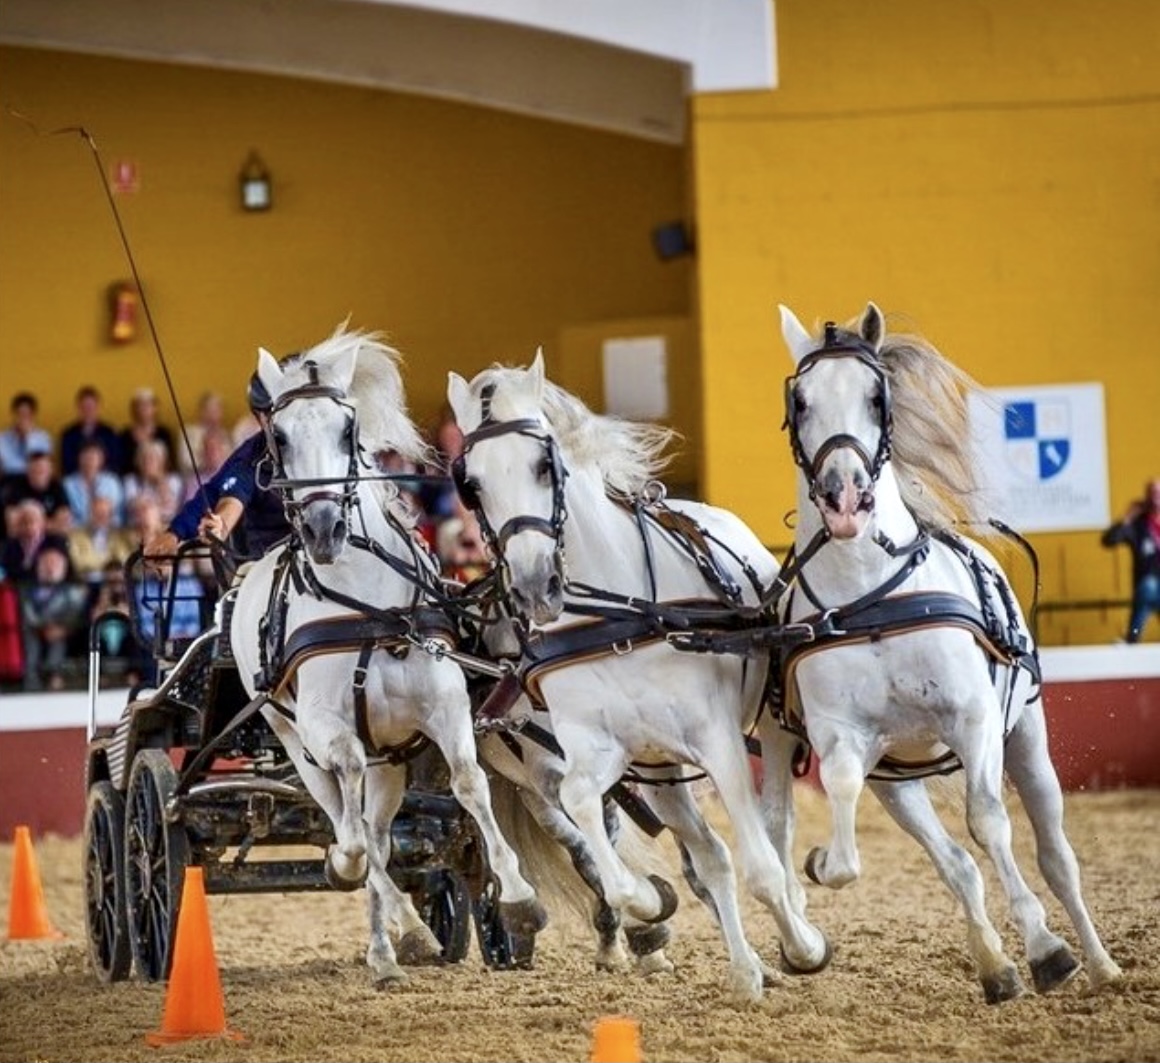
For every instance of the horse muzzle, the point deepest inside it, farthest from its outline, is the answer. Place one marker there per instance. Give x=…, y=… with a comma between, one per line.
x=846, y=504
x=538, y=595
x=324, y=532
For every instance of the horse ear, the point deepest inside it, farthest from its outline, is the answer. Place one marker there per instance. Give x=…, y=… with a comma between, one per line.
x=269, y=371
x=536, y=372
x=873, y=326
x=344, y=365
x=797, y=339
x=458, y=397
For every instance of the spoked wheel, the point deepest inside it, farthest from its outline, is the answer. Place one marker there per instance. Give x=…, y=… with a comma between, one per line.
x=445, y=906
x=501, y=950
x=156, y=854
x=106, y=921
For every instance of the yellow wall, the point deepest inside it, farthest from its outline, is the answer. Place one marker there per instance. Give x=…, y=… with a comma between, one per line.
x=467, y=235
x=987, y=173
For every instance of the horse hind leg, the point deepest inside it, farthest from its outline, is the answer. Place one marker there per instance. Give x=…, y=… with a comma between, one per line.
x=1033, y=775
x=909, y=805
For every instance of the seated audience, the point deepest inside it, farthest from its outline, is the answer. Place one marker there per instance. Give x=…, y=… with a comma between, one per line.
x=40, y=483
x=88, y=428
x=28, y=535
x=92, y=480
x=143, y=426
x=53, y=608
x=99, y=543
x=155, y=478
x=23, y=436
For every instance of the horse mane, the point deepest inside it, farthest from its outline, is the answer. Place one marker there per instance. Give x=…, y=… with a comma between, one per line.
x=937, y=468
x=627, y=454
x=376, y=390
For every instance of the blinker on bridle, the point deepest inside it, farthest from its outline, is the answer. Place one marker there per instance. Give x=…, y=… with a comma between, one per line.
x=839, y=344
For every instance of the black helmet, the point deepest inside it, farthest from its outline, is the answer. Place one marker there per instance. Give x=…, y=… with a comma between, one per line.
x=258, y=396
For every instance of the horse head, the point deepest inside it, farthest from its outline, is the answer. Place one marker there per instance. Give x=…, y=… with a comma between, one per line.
x=511, y=476
x=838, y=415
x=312, y=436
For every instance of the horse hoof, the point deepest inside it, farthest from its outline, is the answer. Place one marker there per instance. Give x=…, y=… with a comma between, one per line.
x=387, y=977
x=746, y=984
x=1003, y=986
x=668, y=898
x=654, y=963
x=789, y=967
x=340, y=882
x=811, y=865
x=1056, y=968
x=643, y=940
x=523, y=918
x=418, y=948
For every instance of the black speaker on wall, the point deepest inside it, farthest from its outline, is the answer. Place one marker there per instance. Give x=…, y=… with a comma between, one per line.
x=672, y=240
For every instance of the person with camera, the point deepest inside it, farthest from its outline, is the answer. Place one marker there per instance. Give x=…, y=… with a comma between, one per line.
x=1139, y=529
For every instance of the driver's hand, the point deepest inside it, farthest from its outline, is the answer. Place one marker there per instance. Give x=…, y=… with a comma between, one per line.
x=212, y=526
x=161, y=545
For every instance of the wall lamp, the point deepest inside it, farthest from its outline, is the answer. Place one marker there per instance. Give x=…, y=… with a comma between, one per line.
x=254, y=182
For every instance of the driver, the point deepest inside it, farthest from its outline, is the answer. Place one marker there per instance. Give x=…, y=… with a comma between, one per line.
x=232, y=499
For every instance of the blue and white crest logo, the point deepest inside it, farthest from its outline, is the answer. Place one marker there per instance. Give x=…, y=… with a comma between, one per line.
x=1038, y=438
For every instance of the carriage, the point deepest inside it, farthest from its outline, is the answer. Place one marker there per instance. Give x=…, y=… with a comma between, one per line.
x=192, y=775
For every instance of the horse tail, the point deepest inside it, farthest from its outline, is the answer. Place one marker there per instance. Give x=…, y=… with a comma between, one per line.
x=544, y=861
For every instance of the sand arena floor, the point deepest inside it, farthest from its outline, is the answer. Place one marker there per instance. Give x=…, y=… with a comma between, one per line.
x=900, y=986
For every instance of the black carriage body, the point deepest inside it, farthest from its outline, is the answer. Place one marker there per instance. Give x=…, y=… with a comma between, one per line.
x=191, y=774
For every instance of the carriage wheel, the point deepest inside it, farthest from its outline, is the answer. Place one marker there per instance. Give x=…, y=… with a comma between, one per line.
x=501, y=950
x=106, y=921
x=156, y=854
x=445, y=906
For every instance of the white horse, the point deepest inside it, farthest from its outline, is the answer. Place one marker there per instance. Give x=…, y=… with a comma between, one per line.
x=922, y=658
x=332, y=631
x=592, y=575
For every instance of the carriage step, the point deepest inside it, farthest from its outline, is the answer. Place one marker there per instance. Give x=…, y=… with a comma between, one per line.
x=266, y=876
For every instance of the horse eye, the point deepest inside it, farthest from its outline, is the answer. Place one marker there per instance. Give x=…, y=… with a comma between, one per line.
x=348, y=432
x=544, y=469
x=280, y=439
x=878, y=403
x=800, y=406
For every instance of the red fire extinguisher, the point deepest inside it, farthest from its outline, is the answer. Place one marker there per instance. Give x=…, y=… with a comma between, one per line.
x=123, y=301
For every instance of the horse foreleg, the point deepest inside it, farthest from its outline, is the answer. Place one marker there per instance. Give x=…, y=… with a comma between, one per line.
x=842, y=772
x=337, y=749
x=390, y=908
x=711, y=863
x=778, y=748
x=909, y=805
x=1033, y=775
x=804, y=947
x=520, y=911
x=648, y=899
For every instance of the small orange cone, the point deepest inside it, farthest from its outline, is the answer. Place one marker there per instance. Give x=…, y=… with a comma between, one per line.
x=617, y=1040
x=27, y=913
x=194, y=1005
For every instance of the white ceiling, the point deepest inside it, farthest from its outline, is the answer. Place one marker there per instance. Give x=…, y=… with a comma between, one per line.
x=621, y=65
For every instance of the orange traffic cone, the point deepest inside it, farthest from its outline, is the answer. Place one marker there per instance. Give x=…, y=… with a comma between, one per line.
x=617, y=1040
x=194, y=1006
x=27, y=913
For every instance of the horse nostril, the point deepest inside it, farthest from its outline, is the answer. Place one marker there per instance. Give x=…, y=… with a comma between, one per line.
x=519, y=599
x=308, y=534
x=554, y=588
x=866, y=502
x=339, y=532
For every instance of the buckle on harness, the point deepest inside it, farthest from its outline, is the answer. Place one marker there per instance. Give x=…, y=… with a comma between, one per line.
x=622, y=649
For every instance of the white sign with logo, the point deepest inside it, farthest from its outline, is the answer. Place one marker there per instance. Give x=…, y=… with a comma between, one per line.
x=1044, y=452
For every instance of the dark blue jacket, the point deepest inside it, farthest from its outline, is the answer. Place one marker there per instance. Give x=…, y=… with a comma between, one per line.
x=263, y=521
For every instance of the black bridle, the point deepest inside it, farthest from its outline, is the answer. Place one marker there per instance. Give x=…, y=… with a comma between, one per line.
x=530, y=427
x=323, y=488
x=840, y=344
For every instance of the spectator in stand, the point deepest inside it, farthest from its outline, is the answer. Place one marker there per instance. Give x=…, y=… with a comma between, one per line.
x=29, y=535
x=23, y=437
x=53, y=608
x=438, y=498
x=462, y=553
x=99, y=543
x=1139, y=528
x=93, y=480
x=211, y=419
x=88, y=428
x=154, y=477
x=40, y=482
x=143, y=426
x=115, y=639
